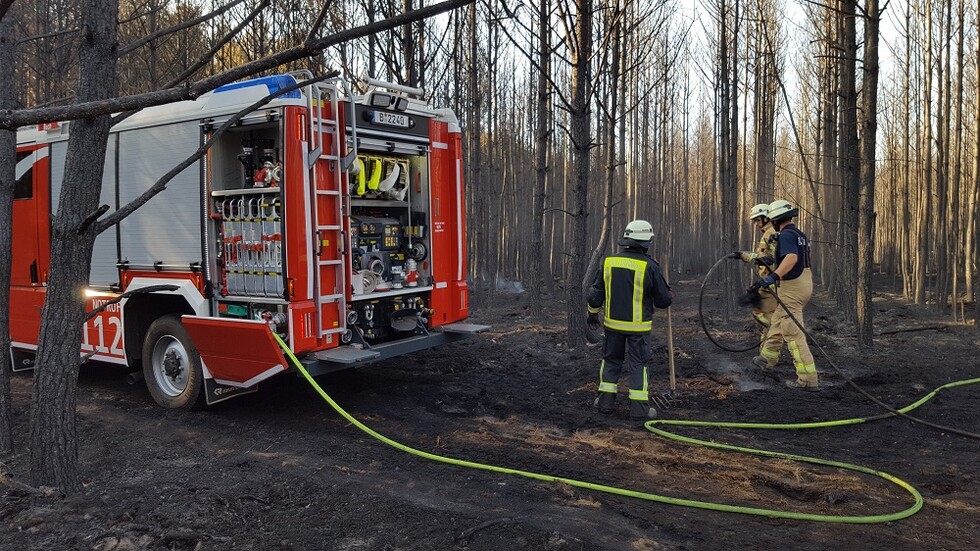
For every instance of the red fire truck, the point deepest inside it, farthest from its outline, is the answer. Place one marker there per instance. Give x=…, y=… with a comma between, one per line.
x=334, y=220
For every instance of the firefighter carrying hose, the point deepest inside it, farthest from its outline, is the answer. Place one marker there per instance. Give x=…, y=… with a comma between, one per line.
x=630, y=285
x=795, y=286
x=763, y=256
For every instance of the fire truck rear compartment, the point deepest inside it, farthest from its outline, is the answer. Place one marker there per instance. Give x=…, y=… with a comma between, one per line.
x=378, y=271
x=246, y=178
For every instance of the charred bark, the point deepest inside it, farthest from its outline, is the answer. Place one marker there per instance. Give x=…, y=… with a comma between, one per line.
x=581, y=135
x=866, y=224
x=8, y=163
x=536, y=264
x=54, y=452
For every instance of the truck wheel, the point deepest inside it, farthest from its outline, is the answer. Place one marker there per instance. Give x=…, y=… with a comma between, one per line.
x=171, y=365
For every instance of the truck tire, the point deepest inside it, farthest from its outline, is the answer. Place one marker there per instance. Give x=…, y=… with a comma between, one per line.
x=172, y=365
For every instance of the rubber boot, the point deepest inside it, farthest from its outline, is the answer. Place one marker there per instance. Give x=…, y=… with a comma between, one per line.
x=605, y=402
x=642, y=410
x=805, y=381
x=767, y=369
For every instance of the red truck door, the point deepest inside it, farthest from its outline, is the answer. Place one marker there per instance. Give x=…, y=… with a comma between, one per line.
x=32, y=210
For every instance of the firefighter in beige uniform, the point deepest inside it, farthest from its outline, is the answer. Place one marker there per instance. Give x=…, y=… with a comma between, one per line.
x=795, y=286
x=763, y=255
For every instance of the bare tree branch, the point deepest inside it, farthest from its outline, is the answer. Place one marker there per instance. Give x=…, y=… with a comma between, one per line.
x=55, y=101
x=161, y=184
x=319, y=21
x=46, y=35
x=75, y=29
x=10, y=119
x=181, y=26
x=91, y=218
x=140, y=15
x=203, y=60
x=556, y=89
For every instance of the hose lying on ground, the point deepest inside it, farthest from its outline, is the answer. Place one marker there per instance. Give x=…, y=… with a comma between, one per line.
x=651, y=426
x=891, y=411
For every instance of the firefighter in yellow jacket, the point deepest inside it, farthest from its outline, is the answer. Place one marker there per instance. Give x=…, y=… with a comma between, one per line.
x=763, y=256
x=628, y=289
x=795, y=286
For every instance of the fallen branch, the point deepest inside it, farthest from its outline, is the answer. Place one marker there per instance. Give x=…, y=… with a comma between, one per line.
x=43, y=491
x=913, y=329
x=938, y=327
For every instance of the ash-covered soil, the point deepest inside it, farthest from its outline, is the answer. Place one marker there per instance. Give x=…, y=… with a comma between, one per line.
x=280, y=470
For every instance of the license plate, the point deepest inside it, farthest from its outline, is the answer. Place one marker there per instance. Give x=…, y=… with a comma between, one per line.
x=390, y=119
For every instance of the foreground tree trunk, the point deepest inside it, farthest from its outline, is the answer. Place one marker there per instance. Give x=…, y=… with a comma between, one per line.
x=54, y=451
x=925, y=194
x=8, y=163
x=581, y=134
x=849, y=154
x=536, y=264
x=866, y=222
x=612, y=114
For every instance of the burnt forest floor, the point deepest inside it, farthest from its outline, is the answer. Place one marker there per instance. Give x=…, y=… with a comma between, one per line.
x=280, y=470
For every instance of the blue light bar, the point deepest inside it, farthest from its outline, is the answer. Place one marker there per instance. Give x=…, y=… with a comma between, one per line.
x=272, y=83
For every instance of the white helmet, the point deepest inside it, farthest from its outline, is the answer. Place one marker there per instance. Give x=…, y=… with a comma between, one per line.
x=781, y=209
x=759, y=211
x=638, y=230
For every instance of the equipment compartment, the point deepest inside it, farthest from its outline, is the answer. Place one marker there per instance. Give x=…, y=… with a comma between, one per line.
x=389, y=241
x=245, y=178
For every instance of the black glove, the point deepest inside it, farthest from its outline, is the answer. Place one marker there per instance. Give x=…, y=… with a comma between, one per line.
x=750, y=298
x=770, y=279
x=593, y=328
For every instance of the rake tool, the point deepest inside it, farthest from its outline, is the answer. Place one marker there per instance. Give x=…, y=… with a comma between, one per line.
x=668, y=399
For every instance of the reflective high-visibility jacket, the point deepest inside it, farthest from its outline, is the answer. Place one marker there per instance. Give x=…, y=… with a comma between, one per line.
x=630, y=285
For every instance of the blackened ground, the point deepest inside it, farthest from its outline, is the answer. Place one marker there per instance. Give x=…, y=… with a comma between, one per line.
x=281, y=470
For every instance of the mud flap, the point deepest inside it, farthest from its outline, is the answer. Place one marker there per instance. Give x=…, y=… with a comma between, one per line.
x=215, y=392
x=21, y=359
x=237, y=353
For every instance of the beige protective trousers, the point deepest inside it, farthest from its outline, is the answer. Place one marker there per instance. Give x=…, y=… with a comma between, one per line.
x=763, y=314
x=795, y=294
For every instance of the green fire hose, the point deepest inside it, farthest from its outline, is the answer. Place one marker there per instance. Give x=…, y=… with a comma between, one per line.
x=653, y=427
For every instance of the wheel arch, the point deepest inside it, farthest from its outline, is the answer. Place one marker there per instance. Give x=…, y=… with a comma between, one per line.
x=139, y=311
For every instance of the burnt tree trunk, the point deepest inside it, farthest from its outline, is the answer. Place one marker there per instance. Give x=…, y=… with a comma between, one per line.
x=475, y=150
x=727, y=113
x=954, y=214
x=925, y=194
x=536, y=264
x=8, y=162
x=849, y=153
x=408, y=48
x=907, y=263
x=612, y=113
x=866, y=224
x=54, y=450
x=973, y=235
x=581, y=135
